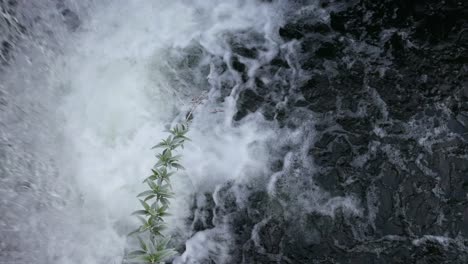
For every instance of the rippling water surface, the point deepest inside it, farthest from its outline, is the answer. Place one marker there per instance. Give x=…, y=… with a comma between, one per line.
x=299, y=151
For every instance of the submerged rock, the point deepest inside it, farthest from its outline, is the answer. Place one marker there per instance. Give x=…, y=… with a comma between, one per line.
x=384, y=84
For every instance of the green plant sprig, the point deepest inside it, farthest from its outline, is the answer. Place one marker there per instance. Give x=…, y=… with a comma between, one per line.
x=155, y=202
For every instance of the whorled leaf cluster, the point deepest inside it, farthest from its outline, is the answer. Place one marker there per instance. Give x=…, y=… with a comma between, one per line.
x=153, y=245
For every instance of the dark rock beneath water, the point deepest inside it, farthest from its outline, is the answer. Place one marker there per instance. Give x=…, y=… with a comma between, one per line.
x=248, y=102
x=383, y=84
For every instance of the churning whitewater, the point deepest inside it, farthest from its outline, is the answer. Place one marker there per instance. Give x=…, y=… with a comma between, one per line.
x=119, y=81
x=124, y=77
x=322, y=132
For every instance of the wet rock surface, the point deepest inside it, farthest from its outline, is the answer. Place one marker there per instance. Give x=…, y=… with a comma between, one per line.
x=383, y=91
x=370, y=164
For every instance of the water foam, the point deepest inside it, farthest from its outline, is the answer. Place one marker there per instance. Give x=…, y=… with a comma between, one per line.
x=118, y=100
x=122, y=79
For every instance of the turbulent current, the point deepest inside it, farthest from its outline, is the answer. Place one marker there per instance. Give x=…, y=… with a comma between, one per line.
x=323, y=131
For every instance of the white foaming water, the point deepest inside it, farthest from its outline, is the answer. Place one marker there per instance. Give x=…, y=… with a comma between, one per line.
x=117, y=102
x=118, y=88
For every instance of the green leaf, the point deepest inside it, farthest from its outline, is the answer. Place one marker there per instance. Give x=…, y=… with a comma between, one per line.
x=145, y=205
x=153, y=185
x=140, y=212
x=177, y=166
x=154, y=205
x=136, y=231
x=162, y=255
x=158, y=145
x=152, y=244
x=156, y=231
x=167, y=153
x=164, y=201
x=144, y=227
x=155, y=250
x=185, y=138
x=160, y=163
x=162, y=243
x=152, y=212
x=136, y=253
x=142, y=244
x=145, y=193
x=150, y=178
x=149, y=197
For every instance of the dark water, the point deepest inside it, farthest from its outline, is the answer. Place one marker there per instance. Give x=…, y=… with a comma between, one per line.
x=328, y=131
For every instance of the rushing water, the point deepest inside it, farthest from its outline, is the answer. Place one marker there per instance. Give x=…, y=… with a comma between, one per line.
x=113, y=87
x=300, y=150
x=124, y=82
